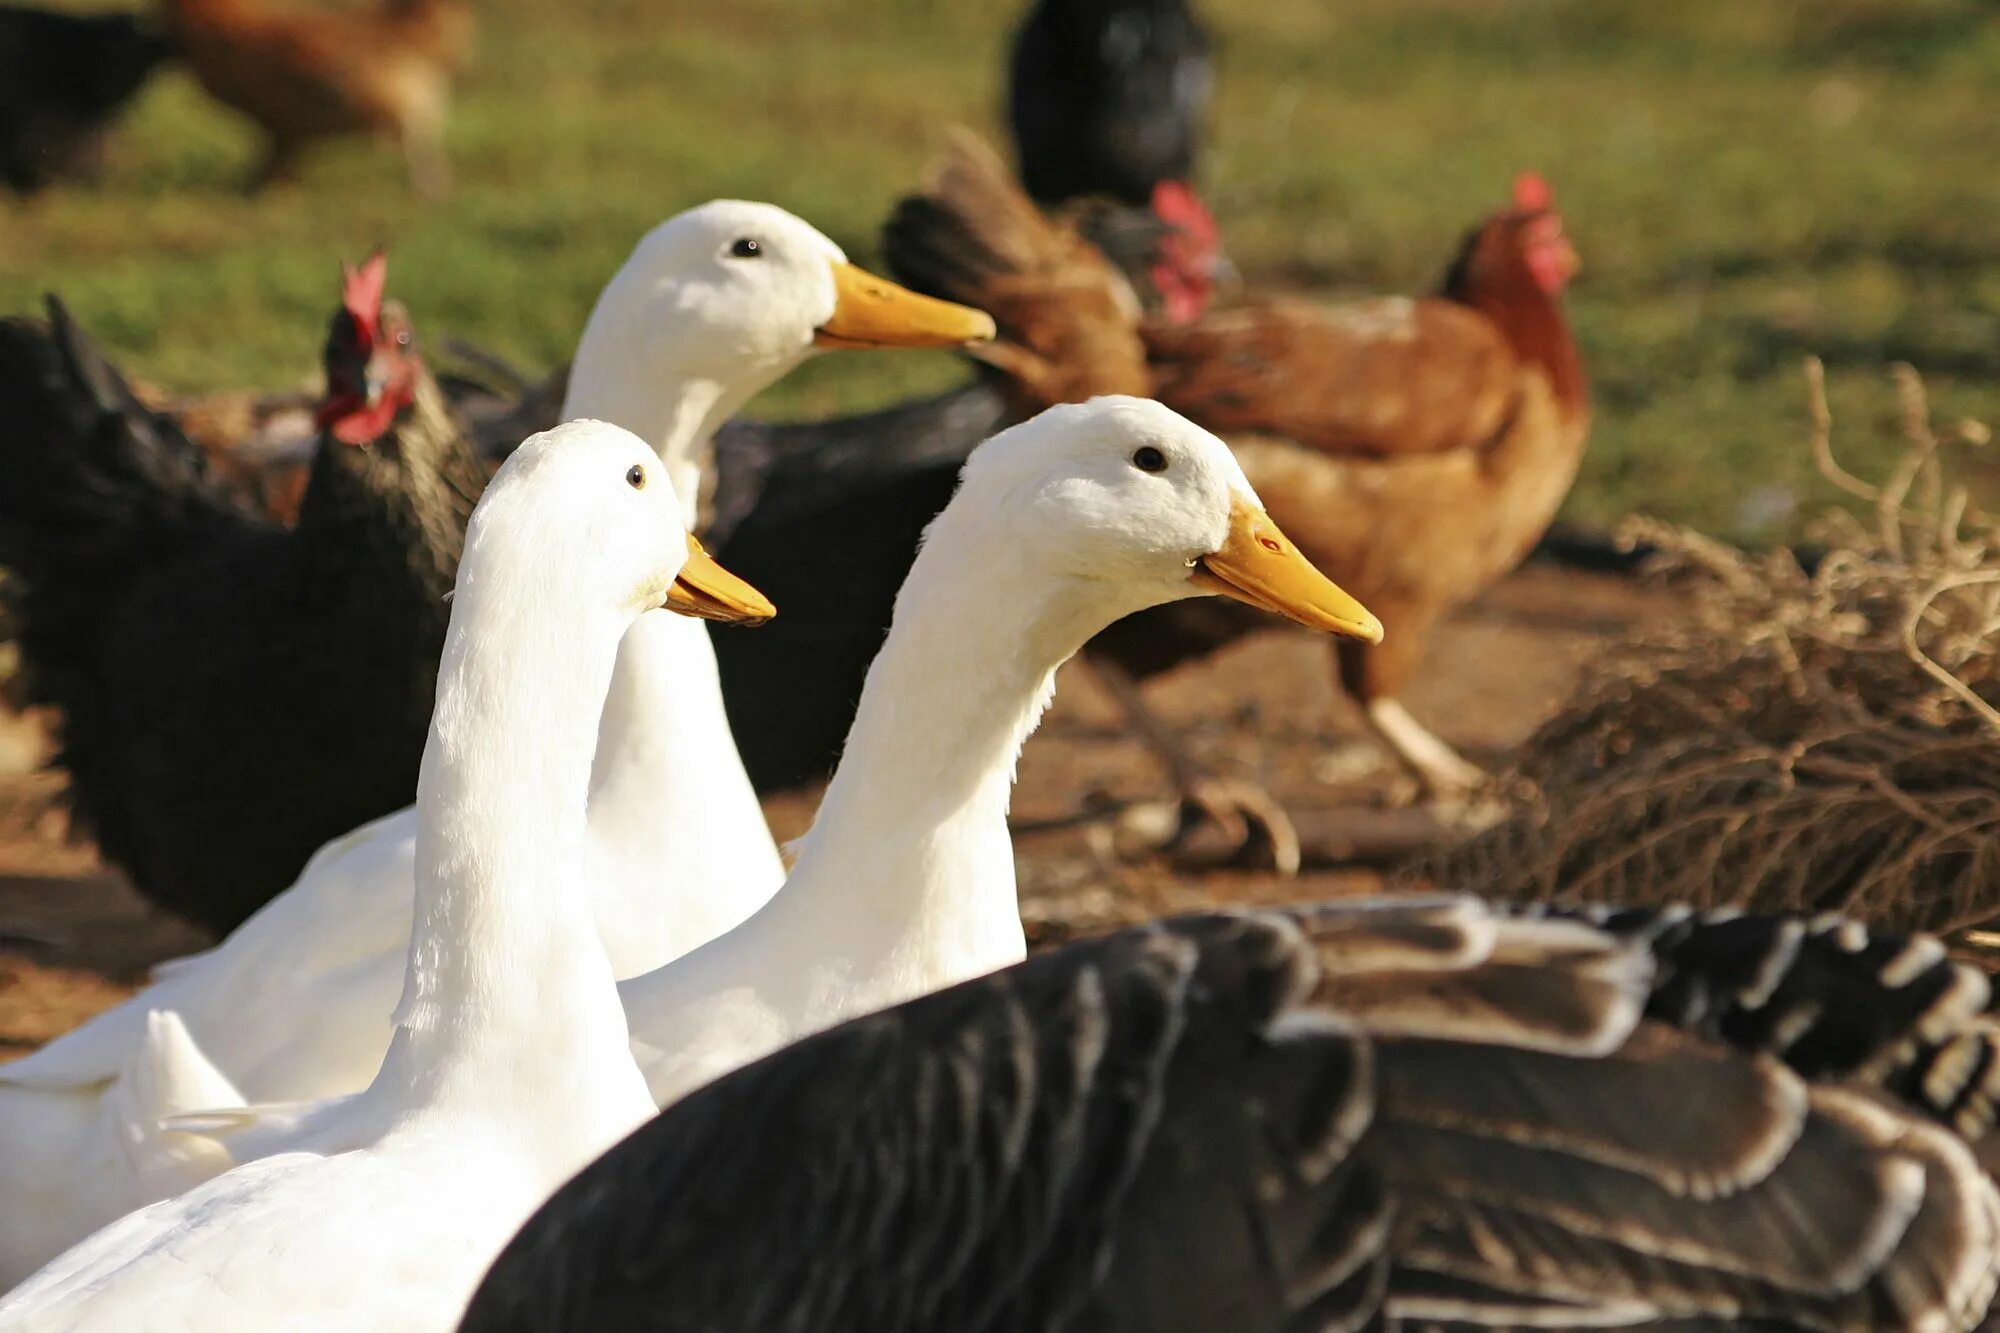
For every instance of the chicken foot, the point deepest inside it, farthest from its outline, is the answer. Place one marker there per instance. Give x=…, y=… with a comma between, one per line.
x=1247, y=815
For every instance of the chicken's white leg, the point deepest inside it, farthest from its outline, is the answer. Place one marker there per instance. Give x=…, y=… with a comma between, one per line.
x=1444, y=771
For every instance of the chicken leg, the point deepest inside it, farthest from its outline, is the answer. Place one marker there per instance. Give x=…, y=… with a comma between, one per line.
x=1443, y=771
x=1372, y=675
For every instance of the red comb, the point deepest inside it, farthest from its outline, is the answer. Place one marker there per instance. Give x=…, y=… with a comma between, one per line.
x=1531, y=193
x=361, y=290
x=1176, y=203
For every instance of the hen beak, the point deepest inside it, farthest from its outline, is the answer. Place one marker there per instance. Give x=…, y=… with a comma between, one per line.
x=707, y=591
x=1259, y=565
x=873, y=312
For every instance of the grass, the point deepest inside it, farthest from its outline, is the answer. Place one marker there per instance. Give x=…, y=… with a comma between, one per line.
x=1747, y=183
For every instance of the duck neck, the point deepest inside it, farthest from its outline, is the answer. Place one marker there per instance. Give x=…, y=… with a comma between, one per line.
x=507, y=986
x=909, y=858
x=666, y=759
x=614, y=380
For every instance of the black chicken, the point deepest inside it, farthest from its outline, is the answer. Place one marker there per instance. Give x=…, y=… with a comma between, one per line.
x=233, y=693
x=1106, y=99
x=62, y=78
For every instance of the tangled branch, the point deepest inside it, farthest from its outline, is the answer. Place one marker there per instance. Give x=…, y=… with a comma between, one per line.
x=1808, y=741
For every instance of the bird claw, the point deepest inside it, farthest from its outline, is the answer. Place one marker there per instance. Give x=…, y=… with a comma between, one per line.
x=1248, y=819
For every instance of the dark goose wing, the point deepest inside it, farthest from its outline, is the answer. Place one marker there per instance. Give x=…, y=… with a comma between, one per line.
x=1361, y=1115
x=1833, y=999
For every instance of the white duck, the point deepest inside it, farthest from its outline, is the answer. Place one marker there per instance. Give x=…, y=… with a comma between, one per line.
x=905, y=882
x=509, y=1068
x=713, y=305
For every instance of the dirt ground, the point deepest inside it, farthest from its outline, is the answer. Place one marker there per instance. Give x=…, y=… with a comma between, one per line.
x=75, y=939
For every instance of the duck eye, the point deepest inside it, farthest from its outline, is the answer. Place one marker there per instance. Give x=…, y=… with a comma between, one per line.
x=746, y=247
x=1148, y=459
x=636, y=478
x=402, y=337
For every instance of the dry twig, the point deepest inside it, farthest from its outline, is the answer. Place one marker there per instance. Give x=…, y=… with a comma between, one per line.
x=1796, y=742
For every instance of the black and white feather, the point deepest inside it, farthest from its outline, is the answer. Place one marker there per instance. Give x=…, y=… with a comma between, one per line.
x=1828, y=996
x=1402, y=1113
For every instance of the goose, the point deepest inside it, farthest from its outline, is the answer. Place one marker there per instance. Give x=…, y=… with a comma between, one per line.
x=509, y=1068
x=713, y=305
x=905, y=882
x=1409, y=1113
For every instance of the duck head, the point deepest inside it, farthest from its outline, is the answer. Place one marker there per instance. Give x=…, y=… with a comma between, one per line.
x=592, y=506
x=719, y=302
x=1132, y=500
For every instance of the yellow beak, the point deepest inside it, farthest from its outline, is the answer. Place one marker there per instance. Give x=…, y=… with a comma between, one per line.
x=1259, y=565
x=707, y=591
x=873, y=312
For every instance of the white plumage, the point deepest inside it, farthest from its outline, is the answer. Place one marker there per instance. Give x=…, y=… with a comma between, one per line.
x=509, y=1067
x=296, y=1003
x=906, y=881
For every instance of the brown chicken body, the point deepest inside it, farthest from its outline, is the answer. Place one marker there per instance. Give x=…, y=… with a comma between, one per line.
x=1445, y=431
x=1417, y=448
x=305, y=77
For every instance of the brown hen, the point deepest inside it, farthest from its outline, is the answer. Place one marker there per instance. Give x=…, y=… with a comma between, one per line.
x=304, y=77
x=1444, y=431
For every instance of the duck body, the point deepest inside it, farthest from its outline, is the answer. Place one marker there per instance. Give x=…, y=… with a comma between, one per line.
x=353, y=1277
x=509, y=1065
x=297, y=1004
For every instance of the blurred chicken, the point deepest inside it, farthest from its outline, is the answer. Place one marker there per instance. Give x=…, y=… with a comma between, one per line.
x=233, y=692
x=260, y=443
x=304, y=77
x=1105, y=99
x=62, y=79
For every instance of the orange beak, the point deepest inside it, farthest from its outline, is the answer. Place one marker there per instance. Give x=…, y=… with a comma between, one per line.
x=1260, y=566
x=707, y=591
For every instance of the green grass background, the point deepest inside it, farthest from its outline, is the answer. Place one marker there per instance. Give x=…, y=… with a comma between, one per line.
x=1747, y=180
